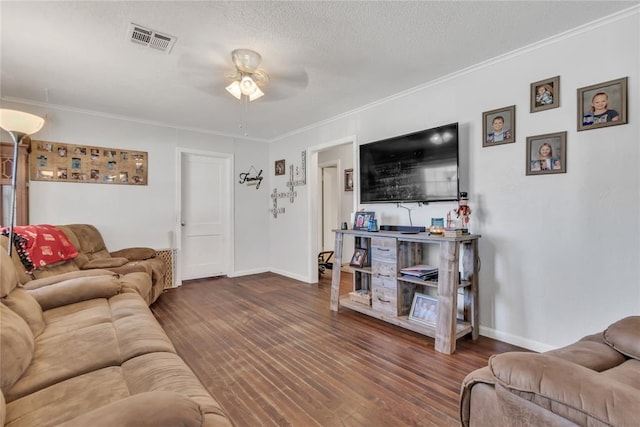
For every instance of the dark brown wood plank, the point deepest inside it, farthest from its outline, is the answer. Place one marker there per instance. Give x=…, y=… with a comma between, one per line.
x=272, y=353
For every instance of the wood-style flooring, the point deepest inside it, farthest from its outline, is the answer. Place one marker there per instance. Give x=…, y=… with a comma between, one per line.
x=272, y=353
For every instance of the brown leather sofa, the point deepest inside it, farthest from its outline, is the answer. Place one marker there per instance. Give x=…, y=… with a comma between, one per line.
x=82, y=352
x=93, y=254
x=593, y=382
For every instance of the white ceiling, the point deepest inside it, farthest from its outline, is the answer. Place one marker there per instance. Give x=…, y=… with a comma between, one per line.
x=324, y=58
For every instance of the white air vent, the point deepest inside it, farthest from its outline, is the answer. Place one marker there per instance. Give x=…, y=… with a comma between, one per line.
x=150, y=38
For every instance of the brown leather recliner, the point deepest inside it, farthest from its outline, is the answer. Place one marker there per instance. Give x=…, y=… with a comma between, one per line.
x=593, y=382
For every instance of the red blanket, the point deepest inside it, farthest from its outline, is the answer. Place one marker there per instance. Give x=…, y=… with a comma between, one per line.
x=41, y=245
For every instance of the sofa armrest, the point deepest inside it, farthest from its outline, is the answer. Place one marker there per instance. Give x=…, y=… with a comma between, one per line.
x=479, y=376
x=50, y=280
x=574, y=392
x=135, y=254
x=108, y=262
x=76, y=290
x=150, y=409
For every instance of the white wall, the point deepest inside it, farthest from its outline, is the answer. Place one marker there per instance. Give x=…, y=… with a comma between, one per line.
x=146, y=215
x=559, y=252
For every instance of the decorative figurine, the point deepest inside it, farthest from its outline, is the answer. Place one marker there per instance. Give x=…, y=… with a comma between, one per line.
x=463, y=211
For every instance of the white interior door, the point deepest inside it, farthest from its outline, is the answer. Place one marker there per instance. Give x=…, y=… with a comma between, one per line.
x=205, y=215
x=330, y=206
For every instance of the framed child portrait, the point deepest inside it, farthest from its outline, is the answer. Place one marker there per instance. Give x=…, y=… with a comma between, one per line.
x=499, y=126
x=602, y=105
x=547, y=154
x=279, y=167
x=359, y=257
x=424, y=309
x=545, y=94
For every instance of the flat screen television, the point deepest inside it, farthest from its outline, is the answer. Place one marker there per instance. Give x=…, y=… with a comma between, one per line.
x=417, y=167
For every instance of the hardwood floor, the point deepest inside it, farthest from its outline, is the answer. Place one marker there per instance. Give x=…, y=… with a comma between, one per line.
x=272, y=353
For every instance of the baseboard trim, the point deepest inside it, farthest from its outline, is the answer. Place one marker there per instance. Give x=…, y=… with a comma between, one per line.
x=290, y=275
x=515, y=340
x=248, y=272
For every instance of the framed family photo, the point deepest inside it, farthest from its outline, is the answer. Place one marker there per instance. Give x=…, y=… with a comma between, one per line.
x=547, y=154
x=359, y=257
x=602, y=105
x=279, y=167
x=545, y=94
x=361, y=220
x=499, y=126
x=424, y=309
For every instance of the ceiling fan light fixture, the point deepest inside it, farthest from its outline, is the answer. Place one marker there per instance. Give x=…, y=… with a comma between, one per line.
x=246, y=60
x=248, y=86
x=255, y=95
x=234, y=89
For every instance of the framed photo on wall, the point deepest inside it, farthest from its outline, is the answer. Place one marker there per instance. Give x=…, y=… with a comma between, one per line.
x=499, y=126
x=547, y=154
x=545, y=94
x=602, y=105
x=279, y=167
x=424, y=309
x=348, y=180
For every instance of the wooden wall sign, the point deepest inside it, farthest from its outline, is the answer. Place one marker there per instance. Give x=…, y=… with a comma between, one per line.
x=54, y=161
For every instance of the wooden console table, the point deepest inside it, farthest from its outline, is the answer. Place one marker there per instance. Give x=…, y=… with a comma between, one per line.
x=392, y=294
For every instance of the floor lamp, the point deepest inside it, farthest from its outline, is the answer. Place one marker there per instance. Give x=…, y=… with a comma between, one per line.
x=17, y=124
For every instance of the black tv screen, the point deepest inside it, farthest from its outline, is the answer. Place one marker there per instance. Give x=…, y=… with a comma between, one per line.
x=417, y=167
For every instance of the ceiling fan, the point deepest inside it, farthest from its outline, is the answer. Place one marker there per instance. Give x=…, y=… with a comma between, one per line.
x=247, y=77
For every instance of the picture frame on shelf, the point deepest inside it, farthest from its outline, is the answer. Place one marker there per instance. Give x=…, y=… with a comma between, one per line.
x=359, y=258
x=499, y=126
x=348, y=180
x=279, y=167
x=602, y=105
x=547, y=154
x=424, y=309
x=545, y=94
x=361, y=220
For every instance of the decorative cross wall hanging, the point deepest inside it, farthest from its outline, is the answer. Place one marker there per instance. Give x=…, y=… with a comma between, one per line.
x=301, y=174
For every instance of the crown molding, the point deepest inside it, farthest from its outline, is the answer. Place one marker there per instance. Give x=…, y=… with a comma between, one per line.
x=125, y=118
x=634, y=10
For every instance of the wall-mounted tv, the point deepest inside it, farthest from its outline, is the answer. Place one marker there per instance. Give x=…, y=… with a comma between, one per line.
x=417, y=167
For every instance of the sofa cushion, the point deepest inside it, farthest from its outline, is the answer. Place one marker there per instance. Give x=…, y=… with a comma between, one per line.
x=25, y=306
x=624, y=336
x=76, y=290
x=110, y=404
x=50, y=280
x=8, y=276
x=58, y=358
x=16, y=347
x=135, y=254
x=55, y=269
x=105, y=263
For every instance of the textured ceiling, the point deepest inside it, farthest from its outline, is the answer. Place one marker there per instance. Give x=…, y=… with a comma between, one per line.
x=324, y=58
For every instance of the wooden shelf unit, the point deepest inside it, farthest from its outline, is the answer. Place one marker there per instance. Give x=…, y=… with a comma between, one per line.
x=392, y=294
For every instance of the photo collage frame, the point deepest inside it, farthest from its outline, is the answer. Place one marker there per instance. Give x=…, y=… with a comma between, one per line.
x=60, y=162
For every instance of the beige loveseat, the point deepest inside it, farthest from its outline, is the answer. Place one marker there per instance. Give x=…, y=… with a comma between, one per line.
x=593, y=382
x=81, y=353
x=93, y=254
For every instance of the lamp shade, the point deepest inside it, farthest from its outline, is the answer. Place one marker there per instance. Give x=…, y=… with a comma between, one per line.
x=20, y=122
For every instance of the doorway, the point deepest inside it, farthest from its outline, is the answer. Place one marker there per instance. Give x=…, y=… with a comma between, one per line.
x=326, y=164
x=329, y=205
x=205, y=221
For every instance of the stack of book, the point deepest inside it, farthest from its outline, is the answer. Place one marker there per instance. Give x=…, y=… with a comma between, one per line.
x=422, y=271
x=455, y=232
